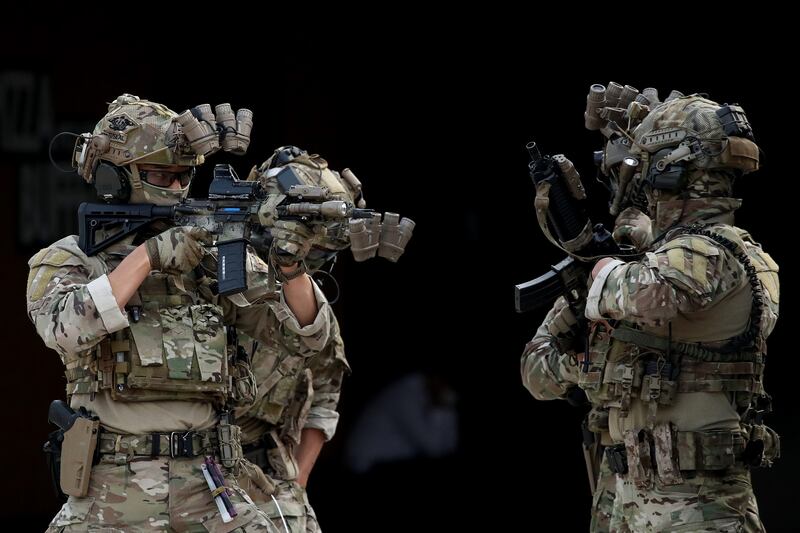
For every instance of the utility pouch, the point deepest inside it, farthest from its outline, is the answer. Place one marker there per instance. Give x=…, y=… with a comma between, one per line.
x=280, y=458
x=230, y=444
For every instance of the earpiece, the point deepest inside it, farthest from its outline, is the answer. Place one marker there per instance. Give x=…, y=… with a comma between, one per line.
x=111, y=182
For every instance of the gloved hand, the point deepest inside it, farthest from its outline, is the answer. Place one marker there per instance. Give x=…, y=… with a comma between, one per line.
x=563, y=324
x=564, y=327
x=177, y=250
x=292, y=240
x=633, y=227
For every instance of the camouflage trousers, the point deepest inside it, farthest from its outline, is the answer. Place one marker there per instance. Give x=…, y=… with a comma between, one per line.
x=155, y=495
x=721, y=501
x=603, y=500
x=289, y=511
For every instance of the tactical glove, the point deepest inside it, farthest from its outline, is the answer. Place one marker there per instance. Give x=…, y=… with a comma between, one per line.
x=633, y=227
x=177, y=250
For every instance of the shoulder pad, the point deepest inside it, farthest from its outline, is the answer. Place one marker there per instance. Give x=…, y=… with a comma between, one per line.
x=61, y=253
x=695, y=243
x=762, y=261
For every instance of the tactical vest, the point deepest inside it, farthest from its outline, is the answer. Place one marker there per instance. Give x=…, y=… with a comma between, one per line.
x=285, y=389
x=285, y=394
x=700, y=352
x=174, y=348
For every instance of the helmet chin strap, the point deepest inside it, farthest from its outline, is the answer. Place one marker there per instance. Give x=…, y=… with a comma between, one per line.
x=136, y=179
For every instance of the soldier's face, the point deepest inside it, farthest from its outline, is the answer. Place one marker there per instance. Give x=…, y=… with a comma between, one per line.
x=173, y=177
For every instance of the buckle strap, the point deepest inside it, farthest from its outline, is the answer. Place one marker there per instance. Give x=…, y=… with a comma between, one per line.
x=155, y=449
x=173, y=444
x=180, y=444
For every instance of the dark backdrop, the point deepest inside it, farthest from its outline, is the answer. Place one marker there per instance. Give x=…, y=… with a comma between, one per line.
x=435, y=129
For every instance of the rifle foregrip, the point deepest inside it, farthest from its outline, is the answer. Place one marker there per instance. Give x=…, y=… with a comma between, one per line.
x=232, y=267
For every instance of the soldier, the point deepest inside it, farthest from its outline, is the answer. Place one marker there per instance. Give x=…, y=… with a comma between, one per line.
x=141, y=332
x=676, y=339
x=298, y=389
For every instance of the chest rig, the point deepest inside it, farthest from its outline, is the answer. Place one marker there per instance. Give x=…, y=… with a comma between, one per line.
x=174, y=349
x=625, y=363
x=285, y=390
x=285, y=393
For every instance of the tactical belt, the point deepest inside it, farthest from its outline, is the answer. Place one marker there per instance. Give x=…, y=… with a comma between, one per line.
x=659, y=381
x=256, y=452
x=170, y=444
x=696, y=450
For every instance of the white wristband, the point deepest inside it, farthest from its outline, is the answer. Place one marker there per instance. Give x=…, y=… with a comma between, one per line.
x=106, y=304
x=596, y=290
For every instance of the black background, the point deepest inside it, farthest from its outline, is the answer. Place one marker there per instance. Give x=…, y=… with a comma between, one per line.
x=435, y=128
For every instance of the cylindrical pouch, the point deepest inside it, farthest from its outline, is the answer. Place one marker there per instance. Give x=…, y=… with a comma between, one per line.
x=230, y=444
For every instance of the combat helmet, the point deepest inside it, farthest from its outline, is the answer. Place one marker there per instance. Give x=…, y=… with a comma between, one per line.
x=289, y=166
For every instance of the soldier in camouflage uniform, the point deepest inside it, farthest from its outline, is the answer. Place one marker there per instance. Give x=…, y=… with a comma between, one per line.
x=674, y=369
x=298, y=389
x=142, y=335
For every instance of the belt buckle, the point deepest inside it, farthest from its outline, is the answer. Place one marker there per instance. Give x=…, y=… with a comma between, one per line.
x=177, y=444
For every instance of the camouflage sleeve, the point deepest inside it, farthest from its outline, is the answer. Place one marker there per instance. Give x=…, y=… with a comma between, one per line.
x=263, y=317
x=71, y=312
x=327, y=368
x=547, y=372
x=684, y=275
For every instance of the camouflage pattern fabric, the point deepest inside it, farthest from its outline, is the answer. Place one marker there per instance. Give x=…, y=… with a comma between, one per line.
x=313, y=170
x=547, y=372
x=693, y=116
x=156, y=495
x=705, y=502
x=68, y=320
x=548, y=369
x=670, y=213
x=136, y=132
x=178, y=250
x=681, y=276
x=142, y=131
x=294, y=240
x=635, y=228
x=603, y=499
x=296, y=390
x=59, y=302
x=290, y=503
x=685, y=274
x=69, y=316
